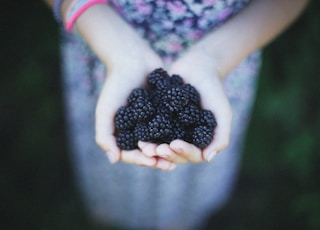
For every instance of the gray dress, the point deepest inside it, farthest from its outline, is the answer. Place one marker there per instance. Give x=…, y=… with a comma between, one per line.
x=138, y=197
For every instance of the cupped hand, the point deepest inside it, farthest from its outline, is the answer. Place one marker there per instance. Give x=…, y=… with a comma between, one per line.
x=127, y=73
x=128, y=58
x=198, y=69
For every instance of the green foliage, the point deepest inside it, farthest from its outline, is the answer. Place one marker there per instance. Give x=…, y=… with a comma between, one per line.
x=279, y=184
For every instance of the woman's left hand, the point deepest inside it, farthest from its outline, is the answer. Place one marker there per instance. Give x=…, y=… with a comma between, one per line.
x=198, y=69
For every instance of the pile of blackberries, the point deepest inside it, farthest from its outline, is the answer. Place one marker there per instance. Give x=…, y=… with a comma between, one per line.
x=165, y=110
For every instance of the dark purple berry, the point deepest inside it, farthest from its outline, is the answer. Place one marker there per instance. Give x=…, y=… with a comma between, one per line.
x=141, y=132
x=159, y=79
x=136, y=94
x=142, y=109
x=202, y=136
x=159, y=128
x=208, y=119
x=189, y=115
x=193, y=94
x=176, y=80
x=126, y=140
x=175, y=99
x=124, y=118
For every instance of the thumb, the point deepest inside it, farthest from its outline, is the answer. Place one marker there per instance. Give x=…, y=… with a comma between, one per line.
x=221, y=137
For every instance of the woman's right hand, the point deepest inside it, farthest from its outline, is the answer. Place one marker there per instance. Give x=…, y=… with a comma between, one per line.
x=128, y=59
x=130, y=72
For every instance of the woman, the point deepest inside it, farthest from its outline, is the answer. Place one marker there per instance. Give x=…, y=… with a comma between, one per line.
x=110, y=49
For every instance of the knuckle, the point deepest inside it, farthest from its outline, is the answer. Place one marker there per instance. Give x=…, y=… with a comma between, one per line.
x=196, y=160
x=181, y=161
x=99, y=141
x=225, y=144
x=137, y=159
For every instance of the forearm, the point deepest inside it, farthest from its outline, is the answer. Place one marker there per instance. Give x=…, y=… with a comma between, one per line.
x=64, y=5
x=102, y=29
x=110, y=37
x=248, y=31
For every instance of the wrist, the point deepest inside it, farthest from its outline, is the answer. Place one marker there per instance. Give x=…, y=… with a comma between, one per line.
x=196, y=65
x=210, y=57
x=75, y=10
x=112, y=39
x=67, y=12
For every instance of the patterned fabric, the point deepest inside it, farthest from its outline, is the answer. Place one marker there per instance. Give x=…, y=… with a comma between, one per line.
x=172, y=26
x=77, y=8
x=140, y=197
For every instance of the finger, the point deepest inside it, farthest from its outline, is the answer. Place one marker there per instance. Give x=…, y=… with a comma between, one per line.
x=220, y=140
x=138, y=158
x=106, y=140
x=219, y=143
x=108, y=144
x=222, y=111
x=147, y=148
x=187, y=151
x=104, y=127
x=164, y=164
x=222, y=134
x=164, y=151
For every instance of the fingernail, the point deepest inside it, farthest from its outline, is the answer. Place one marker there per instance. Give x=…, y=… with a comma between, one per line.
x=112, y=157
x=160, y=165
x=164, y=165
x=211, y=156
x=172, y=167
x=177, y=149
x=142, y=144
x=149, y=161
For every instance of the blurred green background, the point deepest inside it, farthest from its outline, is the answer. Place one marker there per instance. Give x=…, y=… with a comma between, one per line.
x=279, y=183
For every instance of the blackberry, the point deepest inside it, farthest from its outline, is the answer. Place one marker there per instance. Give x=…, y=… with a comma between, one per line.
x=202, y=136
x=165, y=110
x=176, y=80
x=159, y=128
x=178, y=132
x=124, y=118
x=156, y=98
x=207, y=118
x=175, y=99
x=136, y=94
x=142, y=109
x=189, y=115
x=141, y=132
x=193, y=94
x=126, y=140
x=188, y=136
x=158, y=79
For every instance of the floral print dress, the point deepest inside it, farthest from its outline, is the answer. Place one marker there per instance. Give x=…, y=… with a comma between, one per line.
x=139, y=197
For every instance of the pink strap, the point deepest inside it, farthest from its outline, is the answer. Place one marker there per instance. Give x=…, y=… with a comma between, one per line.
x=71, y=21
